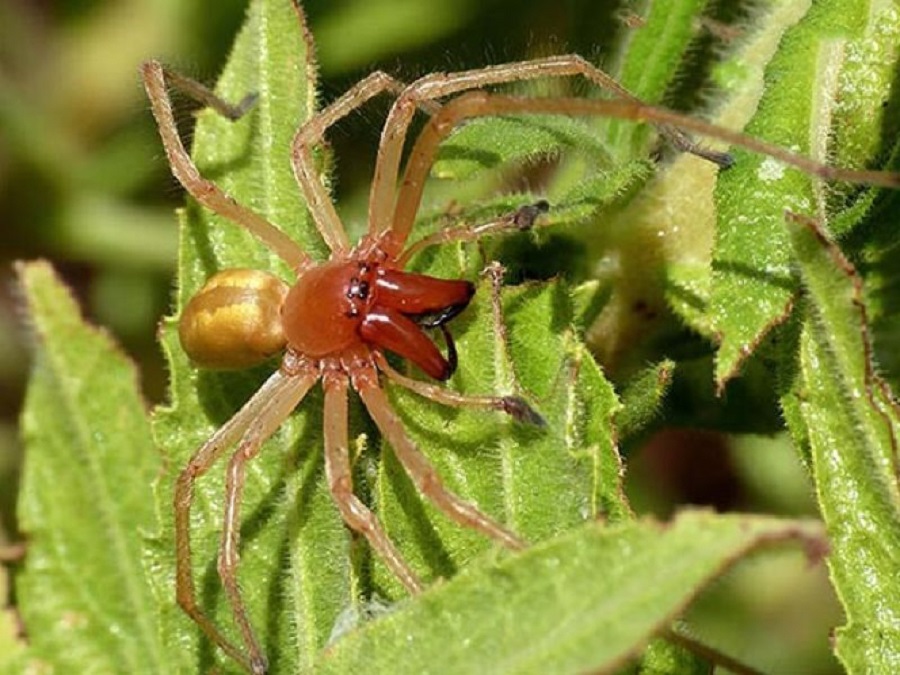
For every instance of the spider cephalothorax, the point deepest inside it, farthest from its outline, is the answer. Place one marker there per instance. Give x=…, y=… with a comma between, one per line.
x=368, y=302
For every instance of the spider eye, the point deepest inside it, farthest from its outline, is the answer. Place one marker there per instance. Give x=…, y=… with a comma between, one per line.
x=234, y=321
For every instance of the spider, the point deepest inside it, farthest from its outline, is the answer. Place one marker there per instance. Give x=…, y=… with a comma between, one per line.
x=338, y=319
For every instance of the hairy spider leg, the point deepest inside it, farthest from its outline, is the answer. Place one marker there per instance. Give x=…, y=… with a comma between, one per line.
x=425, y=477
x=249, y=428
x=393, y=211
x=385, y=207
x=318, y=199
x=205, y=191
x=279, y=407
x=313, y=131
x=201, y=94
x=514, y=406
x=420, y=471
x=353, y=511
x=480, y=104
x=522, y=219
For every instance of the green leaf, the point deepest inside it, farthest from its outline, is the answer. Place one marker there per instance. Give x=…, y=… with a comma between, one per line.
x=85, y=501
x=684, y=196
x=657, y=250
x=295, y=550
x=642, y=398
x=648, y=60
x=539, y=481
x=638, y=242
x=491, y=142
x=864, y=125
x=665, y=657
x=753, y=284
x=851, y=420
x=587, y=601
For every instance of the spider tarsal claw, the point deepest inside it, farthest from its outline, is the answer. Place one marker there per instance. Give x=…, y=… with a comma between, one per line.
x=524, y=218
x=259, y=666
x=244, y=106
x=518, y=409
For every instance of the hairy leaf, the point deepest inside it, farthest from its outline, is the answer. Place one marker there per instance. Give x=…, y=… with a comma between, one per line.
x=538, y=480
x=648, y=60
x=295, y=550
x=851, y=420
x=491, y=142
x=753, y=283
x=643, y=396
x=85, y=501
x=684, y=193
x=587, y=601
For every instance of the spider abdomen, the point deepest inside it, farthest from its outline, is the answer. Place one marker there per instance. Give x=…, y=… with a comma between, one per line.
x=233, y=320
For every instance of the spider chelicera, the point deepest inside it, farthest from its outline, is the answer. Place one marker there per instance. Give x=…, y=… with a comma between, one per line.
x=339, y=317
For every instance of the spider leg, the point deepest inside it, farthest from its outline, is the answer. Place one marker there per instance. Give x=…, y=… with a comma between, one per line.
x=480, y=104
x=208, y=98
x=386, y=213
x=514, y=406
x=252, y=424
x=420, y=470
x=356, y=515
x=312, y=132
x=204, y=191
x=521, y=219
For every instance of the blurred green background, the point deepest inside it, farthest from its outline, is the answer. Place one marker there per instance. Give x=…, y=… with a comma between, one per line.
x=84, y=183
